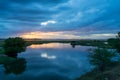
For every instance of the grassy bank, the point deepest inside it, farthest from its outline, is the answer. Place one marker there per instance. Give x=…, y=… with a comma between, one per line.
x=98, y=43
x=113, y=73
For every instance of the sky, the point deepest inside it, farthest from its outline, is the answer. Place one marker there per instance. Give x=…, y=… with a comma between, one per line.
x=59, y=19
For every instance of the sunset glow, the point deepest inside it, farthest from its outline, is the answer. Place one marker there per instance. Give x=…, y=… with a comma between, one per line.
x=64, y=35
x=59, y=19
x=49, y=35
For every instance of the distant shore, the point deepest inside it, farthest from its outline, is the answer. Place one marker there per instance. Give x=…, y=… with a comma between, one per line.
x=83, y=42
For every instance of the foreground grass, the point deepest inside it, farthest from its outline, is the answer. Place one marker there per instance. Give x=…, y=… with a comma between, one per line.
x=113, y=73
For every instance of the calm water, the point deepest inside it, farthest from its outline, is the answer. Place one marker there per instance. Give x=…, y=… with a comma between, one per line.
x=53, y=61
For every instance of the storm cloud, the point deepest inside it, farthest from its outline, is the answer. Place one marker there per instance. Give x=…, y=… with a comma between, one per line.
x=82, y=17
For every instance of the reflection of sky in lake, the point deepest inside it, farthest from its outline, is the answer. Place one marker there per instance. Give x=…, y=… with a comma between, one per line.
x=53, y=61
x=50, y=45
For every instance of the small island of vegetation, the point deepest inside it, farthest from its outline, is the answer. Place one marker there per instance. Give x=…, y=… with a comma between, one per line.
x=8, y=55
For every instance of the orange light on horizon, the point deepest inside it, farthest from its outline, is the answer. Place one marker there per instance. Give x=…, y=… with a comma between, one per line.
x=43, y=35
x=48, y=35
x=64, y=35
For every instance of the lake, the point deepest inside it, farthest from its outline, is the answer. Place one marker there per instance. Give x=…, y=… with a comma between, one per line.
x=52, y=61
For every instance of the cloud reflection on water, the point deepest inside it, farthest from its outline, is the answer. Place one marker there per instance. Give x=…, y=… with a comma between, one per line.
x=45, y=55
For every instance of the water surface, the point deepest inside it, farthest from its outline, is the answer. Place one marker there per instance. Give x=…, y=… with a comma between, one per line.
x=53, y=61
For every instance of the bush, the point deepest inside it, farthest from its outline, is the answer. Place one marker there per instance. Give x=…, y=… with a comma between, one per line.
x=112, y=42
x=102, y=58
x=115, y=42
x=118, y=47
x=12, y=46
x=1, y=51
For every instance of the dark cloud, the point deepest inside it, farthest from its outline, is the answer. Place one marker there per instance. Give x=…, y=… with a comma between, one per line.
x=18, y=16
x=33, y=1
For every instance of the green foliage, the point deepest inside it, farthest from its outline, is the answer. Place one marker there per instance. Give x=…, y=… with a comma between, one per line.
x=1, y=51
x=115, y=42
x=12, y=46
x=118, y=43
x=112, y=42
x=101, y=58
x=118, y=47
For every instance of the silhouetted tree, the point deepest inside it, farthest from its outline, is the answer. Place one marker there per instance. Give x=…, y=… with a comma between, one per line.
x=112, y=42
x=101, y=58
x=13, y=46
x=118, y=35
x=118, y=43
x=73, y=44
x=115, y=42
